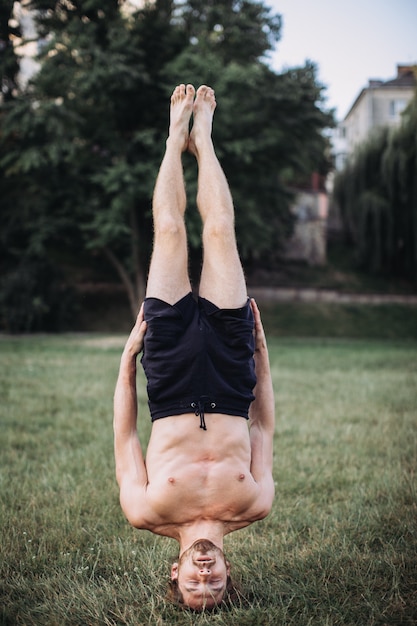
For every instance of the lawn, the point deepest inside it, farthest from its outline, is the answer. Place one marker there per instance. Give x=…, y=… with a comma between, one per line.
x=338, y=548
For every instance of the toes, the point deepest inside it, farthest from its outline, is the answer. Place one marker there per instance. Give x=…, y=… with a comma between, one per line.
x=205, y=92
x=190, y=91
x=202, y=90
x=175, y=94
x=182, y=91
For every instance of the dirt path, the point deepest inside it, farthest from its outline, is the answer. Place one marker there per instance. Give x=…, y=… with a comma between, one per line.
x=287, y=294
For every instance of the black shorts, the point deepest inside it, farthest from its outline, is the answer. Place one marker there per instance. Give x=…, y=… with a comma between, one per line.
x=198, y=358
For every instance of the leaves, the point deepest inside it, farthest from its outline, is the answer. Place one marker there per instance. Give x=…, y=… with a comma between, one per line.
x=377, y=194
x=83, y=145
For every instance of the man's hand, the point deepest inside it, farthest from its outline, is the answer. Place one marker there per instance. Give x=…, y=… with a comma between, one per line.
x=134, y=344
x=260, y=340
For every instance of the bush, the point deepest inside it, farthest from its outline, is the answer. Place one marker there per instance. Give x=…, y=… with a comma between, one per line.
x=377, y=197
x=34, y=298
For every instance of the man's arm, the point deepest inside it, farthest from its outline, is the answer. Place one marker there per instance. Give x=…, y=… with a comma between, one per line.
x=262, y=411
x=131, y=471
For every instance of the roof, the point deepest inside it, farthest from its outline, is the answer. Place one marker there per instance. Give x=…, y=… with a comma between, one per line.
x=406, y=77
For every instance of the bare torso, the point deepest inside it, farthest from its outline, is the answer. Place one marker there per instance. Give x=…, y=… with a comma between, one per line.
x=197, y=475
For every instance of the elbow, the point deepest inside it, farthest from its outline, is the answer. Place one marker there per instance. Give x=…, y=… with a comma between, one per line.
x=268, y=499
x=133, y=508
x=136, y=520
x=264, y=511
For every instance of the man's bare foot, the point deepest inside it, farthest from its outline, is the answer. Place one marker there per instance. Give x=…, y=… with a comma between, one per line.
x=203, y=111
x=182, y=100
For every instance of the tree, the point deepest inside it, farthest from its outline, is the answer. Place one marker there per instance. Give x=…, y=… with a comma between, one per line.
x=377, y=194
x=268, y=128
x=84, y=136
x=87, y=138
x=399, y=169
x=242, y=30
x=9, y=66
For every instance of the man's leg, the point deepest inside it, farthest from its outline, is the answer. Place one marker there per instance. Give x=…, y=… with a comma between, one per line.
x=222, y=279
x=168, y=277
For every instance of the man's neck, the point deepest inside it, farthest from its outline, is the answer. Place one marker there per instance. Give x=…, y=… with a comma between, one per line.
x=212, y=530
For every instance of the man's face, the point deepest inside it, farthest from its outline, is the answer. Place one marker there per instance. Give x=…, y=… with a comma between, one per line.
x=201, y=575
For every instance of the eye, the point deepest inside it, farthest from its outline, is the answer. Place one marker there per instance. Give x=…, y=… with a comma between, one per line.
x=216, y=585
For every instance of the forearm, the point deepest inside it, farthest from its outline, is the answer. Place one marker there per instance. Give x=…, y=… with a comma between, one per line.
x=130, y=464
x=125, y=399
x=125, y=395
x=262, y=409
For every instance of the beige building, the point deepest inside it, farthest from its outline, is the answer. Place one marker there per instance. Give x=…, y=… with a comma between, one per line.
x=308, y=242
x=379, y=104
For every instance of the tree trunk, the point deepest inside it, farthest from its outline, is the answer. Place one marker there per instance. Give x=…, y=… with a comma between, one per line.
x=135, y=288
x=126, y=280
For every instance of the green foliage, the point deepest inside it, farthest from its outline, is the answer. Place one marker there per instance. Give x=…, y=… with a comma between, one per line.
x=81, y=148
x=242, y=30
x=9, y=66
x=268, y=127
x=33, y=298
x=377, y=195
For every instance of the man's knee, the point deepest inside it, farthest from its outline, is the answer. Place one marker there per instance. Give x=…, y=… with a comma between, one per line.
x=221, y=229
x=169, y=228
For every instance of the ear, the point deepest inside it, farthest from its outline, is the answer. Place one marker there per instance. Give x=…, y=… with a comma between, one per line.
x=228, y=568
x=174, y=571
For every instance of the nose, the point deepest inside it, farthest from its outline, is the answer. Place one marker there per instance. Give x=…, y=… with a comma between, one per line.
x=204, y=570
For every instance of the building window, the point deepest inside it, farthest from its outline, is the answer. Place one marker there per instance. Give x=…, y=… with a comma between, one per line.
x=340, y=160
x=396, y=107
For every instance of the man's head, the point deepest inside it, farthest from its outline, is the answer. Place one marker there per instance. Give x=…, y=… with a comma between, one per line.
x=201, y=576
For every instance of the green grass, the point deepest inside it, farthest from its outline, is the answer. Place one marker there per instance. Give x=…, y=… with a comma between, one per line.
x=356, y=321
x=339, y=547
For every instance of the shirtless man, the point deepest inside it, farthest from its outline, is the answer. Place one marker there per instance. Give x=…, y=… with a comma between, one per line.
x=206, y=473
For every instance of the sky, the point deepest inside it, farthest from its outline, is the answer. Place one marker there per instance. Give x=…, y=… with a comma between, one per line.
x=350, y=42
